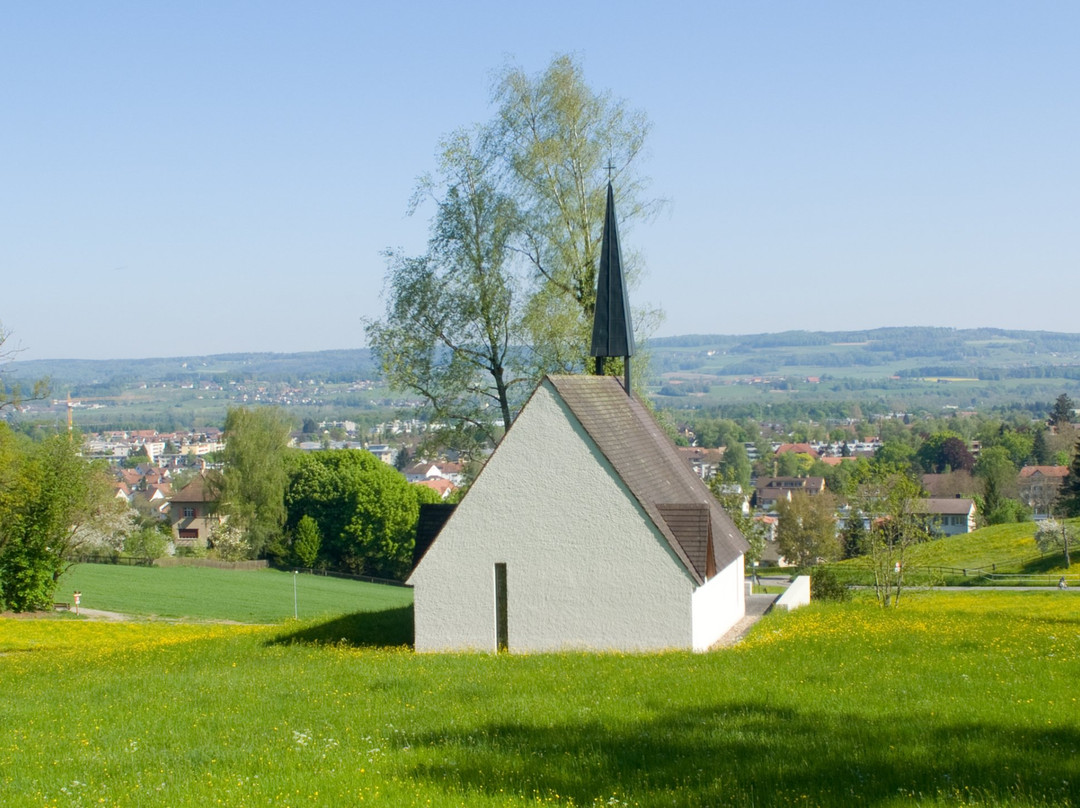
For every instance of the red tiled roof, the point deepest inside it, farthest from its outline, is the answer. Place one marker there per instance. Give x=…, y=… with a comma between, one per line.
x=438, y=485
x=1045, y=471
x=798, y=448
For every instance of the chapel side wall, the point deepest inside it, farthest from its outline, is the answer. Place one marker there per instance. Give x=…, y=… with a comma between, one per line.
x=585, y=567
x=719, y=605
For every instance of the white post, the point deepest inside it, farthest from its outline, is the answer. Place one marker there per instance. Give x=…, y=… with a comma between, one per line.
x=294, y=574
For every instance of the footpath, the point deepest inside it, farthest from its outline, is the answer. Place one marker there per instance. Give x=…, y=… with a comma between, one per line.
x=756, y=606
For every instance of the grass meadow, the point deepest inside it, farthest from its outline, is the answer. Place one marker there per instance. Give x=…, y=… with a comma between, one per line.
x=956, y=698
x=985, y=554
x=204, y=593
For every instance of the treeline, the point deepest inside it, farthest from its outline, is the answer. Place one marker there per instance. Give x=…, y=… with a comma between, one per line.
x=907, y=340
x=993, y=373
x=337, y=509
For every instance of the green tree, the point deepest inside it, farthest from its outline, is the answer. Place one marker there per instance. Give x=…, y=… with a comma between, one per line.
x=1040, y=449
x=506, y=290
x=366, y=511
x=562, y=142
x=999, y=481
x=146, y=543
x=1019, y=444
x=825, y=586
x=1062, y=411
x=52, y=504
x=1068, y=501
x=894, y=453
x=943, y=451
x=734, y=502
x=806, y=531
x=735, y=464
x=897, y=523
x=853, y=534
x=452, y=332
x=307, y=542
x=787, y=464
x=254, y=477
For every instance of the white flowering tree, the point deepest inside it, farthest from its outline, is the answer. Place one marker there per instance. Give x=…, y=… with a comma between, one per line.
x=1053, y=535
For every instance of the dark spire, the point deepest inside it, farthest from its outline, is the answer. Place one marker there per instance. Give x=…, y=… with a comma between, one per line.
x=613, y=333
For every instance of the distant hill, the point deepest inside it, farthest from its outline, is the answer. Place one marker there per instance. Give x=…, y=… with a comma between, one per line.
x=916, y=367
x=327, y=366
x=885, y=369
x=980, y=353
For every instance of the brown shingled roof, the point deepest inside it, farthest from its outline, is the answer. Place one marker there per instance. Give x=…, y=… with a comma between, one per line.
x=681, y=506
x=198, y=490
x=943, y=505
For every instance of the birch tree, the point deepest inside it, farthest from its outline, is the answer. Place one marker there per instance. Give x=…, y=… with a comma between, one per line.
x=562, y=142
x=452, y=332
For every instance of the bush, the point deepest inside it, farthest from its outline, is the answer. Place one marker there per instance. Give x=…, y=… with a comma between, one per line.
x=824, y=585
x=147, y=543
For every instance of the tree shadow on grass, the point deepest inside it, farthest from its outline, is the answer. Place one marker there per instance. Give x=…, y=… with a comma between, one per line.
x=753, y=754
x=1047, y=565
x=388, y=628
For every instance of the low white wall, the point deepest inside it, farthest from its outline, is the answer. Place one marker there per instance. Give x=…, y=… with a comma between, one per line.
x=718, y=605
x=796, y=595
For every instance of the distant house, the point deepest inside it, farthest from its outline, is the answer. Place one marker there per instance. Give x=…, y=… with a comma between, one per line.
x=948, y=517
x=837, y=460
x=770, y=490
x=154, y=500
x=703, y=461
x=585, y=530
x=950, y=485
x=385, y=453
x=1039, y=487
x=796, y=448
x=438, y=470
x=440, y=486
x=192, y=512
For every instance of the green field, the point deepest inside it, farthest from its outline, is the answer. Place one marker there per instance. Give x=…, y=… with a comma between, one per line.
x=976, y=557
x=953, y=699
x=201, y=593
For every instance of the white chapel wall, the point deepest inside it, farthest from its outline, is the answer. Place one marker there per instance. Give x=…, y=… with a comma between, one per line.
x=585, y=567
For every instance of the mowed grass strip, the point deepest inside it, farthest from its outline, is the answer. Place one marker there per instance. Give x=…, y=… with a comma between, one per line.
x=204, y=593
x=953, y=699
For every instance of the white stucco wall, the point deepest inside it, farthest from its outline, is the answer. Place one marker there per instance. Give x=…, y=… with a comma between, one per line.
x=797, y=594
x=719, y=605
x=586, y=569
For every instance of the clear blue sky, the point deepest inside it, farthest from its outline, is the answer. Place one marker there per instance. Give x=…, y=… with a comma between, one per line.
x=208, y=177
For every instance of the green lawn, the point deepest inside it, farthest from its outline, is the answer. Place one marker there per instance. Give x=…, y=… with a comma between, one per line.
x=997, y=544
x=996, y=549
x=249, y=596
x=954, y=699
